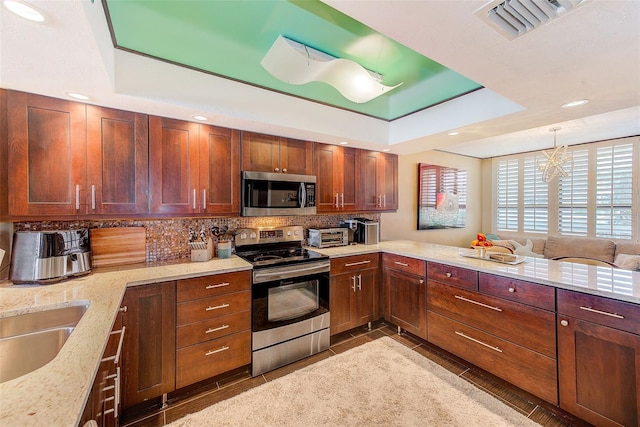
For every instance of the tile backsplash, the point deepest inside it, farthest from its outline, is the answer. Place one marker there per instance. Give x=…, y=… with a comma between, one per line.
x=167, y=239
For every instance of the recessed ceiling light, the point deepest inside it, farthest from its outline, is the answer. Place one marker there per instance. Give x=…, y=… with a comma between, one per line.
x=24, y=10
x=201, y=118
x=78, y=96
x=575, y=103
x=344, y=143
x=453, y=133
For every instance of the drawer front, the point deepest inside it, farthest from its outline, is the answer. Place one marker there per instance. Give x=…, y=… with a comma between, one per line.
x=540, y=296
x=354, y=263
x=524, y=368
x=206, y=360
x=217, y=284
x=409, y=265
x=208, y=308
x=521, y=324
x=451, y=275
x=604, y=311
x=195, y=333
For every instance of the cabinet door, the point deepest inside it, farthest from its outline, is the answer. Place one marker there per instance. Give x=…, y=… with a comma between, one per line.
x=389, y=181
x=46, y=155
x=599, y=370
x=219, y=170
x=173, y=165
x=407, y=299
x=340, y=302
x=149, y=353
x=260, y=153
x=118, y=152
x=365, y=302
x=379, y=181
x=330, y=180
x=296, y=157
x=349, y=197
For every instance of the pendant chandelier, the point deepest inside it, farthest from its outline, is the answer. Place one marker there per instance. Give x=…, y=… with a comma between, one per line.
x=553, y=166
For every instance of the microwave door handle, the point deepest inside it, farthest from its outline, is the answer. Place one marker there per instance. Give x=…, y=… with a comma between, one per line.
x=303, y=195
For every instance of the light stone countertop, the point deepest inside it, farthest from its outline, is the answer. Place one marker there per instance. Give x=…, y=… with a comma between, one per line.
x=619, y=284
x=55, y=395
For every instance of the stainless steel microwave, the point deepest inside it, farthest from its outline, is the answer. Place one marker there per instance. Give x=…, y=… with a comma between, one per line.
x=269, y=194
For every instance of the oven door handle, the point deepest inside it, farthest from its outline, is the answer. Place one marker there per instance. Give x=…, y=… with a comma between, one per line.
x=287, y=272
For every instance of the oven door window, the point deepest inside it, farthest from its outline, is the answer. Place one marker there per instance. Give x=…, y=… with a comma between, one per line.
x=285, y=302
x=292, y=301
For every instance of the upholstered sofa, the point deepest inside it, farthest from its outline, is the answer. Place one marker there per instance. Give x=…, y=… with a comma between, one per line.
x=622, y=254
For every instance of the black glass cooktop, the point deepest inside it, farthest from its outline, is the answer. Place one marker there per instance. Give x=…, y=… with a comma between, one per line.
x=272, y=255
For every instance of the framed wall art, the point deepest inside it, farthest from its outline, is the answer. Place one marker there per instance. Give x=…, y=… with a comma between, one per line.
x=442, y=197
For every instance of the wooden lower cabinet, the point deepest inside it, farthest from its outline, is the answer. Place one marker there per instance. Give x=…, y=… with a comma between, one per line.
x=214, y=326
x=149, y=342
x=598, y=364
x=353, y=291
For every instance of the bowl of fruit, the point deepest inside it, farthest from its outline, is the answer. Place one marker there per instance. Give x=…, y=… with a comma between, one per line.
x=481, y=244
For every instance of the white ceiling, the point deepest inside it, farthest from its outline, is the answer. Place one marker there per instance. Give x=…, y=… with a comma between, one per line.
x=592, y=52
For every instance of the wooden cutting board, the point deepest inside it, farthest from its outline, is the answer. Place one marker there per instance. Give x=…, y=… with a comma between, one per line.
x=117, y=246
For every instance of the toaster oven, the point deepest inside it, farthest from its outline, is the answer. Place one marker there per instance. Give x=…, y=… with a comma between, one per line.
x=328, y=237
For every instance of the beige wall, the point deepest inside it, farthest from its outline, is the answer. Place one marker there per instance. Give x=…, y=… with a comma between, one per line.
x=403, y=223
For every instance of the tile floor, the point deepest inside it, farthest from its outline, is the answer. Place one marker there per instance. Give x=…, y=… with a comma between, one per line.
x=534, y=408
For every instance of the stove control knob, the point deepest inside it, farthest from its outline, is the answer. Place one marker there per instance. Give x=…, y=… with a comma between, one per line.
x=252, y=236
x=288, y=234
x=243, y=236
x=296, y=232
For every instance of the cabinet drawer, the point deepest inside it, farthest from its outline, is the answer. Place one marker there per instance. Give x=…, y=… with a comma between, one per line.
x=217, y=327
x=354, y=263
x=524, y=368
x=206, y=360
x=409, y=265
x=453, y=275
x=517, y=290
x=521, y=324
x=218, y=284
x=207, y=308
x=604, y=311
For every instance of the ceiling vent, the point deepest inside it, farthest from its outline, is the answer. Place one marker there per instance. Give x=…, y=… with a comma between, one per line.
x=515, y=18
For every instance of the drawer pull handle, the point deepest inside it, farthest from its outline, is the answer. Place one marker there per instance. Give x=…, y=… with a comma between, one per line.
x=462, y=334
x=478, y=303
x=404, y=264
x=448, y=274
x=116, y=357
x=219, y=328
x=217, y=307
x=351, y=264
x=219, y=285
x=605, y=313
x=210, y=352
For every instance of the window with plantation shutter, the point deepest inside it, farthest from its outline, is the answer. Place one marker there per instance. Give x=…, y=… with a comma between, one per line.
x=596, y=199
x=507, y=195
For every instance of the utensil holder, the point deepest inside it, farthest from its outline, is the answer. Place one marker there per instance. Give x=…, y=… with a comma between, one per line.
x=224, y=249
x=200, y=255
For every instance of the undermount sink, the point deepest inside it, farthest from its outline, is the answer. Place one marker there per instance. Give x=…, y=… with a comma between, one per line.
x=31, y=340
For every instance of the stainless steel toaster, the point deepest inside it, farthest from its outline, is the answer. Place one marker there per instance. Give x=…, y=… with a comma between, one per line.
x=49, y=256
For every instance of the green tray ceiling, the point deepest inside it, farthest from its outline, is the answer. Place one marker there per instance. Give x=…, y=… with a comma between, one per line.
x=230, y=38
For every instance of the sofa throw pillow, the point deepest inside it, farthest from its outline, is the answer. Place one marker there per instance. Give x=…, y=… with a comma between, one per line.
x=627, y=261
x=524, y=250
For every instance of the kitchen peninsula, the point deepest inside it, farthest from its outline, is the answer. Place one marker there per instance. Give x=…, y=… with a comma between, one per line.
x=57, y=393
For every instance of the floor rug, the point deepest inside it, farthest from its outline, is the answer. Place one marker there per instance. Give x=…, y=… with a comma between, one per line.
x=381, y=383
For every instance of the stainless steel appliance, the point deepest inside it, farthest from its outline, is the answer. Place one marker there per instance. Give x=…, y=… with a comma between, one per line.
x=269, y=193
x=351, y=225
x=328, y=237
x=49, y=256
x=290, y=296
x=367, y=231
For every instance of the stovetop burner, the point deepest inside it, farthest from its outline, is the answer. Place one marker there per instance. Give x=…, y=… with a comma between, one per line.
x=272, y=256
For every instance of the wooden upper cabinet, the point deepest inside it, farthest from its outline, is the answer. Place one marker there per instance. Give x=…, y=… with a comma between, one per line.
x=268, y=153
x=194, y=168
x=379, y=181
x=46, y=156
x=337, y=171
x=117, y=155
x=220, y=170
x=173, y=165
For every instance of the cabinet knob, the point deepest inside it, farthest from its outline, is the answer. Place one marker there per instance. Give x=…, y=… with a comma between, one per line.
x=421, y=281
x=564, y=322
x=448, y=274
x=512, y=290
x=276, y=170
x=123, y=309
x=284, y=170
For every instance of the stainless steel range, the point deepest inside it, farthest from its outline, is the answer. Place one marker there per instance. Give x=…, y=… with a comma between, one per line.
x=290, y=296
